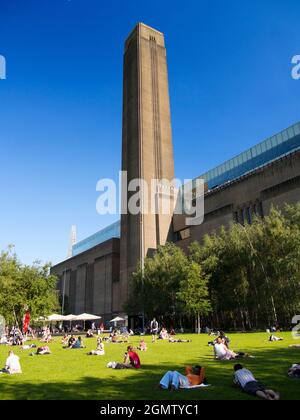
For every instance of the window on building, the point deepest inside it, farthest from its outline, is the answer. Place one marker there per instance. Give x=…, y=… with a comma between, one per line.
x=247, y=212
x=183, y=234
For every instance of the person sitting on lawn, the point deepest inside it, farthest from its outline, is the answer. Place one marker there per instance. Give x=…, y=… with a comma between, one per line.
x=247, y=382
x=194, y=376
x=294, y=371
x=71, y=342
x=116, y=339
x=100, y=351
x=65, y=340
x=131, y=361
x=274, y=338
x=78, y=344
x=164, y=334
x=12, y=365
x=225, y=339
x=89, y=334
x=222, y=352
x=143, y=346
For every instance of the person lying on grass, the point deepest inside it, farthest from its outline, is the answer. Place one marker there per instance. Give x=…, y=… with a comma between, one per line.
x=12, y=365
x=178, y=340
x=41, y=351
x=295, y=346
x=274, y=338
x=100, y=351
x=222, y=352
x=194, y=376
x=131, y=361
x=247, y=382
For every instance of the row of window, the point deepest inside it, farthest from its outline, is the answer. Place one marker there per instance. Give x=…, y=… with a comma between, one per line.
x=248, y=213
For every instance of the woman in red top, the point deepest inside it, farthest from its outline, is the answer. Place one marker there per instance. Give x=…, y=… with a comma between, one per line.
x=131, y=360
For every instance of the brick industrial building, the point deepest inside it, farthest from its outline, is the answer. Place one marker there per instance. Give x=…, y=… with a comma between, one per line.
x=96, y=278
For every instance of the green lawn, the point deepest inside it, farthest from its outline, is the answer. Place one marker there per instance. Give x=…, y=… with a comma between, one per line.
x=71, y=374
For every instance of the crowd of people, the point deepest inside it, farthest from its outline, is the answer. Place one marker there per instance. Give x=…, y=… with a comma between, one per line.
x=194, y=376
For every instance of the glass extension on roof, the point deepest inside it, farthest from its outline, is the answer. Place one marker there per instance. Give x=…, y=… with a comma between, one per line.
x=269, y=150
x=112, y=231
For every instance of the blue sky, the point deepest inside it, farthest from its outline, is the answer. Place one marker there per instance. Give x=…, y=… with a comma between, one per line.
x=60, y=107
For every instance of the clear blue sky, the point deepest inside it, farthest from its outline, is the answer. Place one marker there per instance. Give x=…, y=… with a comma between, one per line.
x=60, y=107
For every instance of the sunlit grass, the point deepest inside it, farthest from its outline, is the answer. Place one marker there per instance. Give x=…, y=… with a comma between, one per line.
x=71, y=374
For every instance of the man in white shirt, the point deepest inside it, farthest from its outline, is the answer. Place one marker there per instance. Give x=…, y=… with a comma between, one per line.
x=154, y=329
x=247, y=382
x=12, y=365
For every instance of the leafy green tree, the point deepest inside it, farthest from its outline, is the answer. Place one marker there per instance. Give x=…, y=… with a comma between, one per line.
x=193, y=293
x=25, y=287
x=154, y=287
x=254, y=270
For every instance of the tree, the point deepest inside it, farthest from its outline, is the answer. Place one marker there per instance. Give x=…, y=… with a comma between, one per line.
x=194, y=293
x=169, y=284
x=25, y=287
x=153, y=288
x=254, y=270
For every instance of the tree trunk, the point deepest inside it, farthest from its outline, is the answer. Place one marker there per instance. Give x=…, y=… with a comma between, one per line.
x=199, y=323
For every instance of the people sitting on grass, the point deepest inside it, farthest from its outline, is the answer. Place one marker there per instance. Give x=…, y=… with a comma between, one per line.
x=71, y=342
x=143, y=346
x=100, y=351
x=12, y=365
x=164, y=334
x=47, y=337
x=117, y=339
x=131, y=361
x=194, y=376
x=294, y=371
x=78, y=344
x=273, y=338
x=222, y=352
x=247, y=382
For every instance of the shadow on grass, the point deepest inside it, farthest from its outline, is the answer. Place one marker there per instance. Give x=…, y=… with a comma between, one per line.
x=270, y=366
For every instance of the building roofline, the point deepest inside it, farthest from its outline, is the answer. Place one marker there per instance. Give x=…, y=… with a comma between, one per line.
x=251, y=173
x=69, y=260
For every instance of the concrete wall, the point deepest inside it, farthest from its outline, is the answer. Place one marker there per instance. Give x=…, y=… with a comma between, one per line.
x=276, y=184
x=91, y=278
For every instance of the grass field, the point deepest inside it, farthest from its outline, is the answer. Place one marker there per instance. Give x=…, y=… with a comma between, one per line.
x=71, y=374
